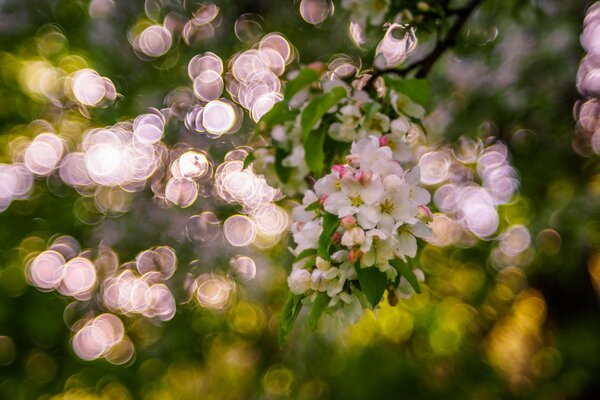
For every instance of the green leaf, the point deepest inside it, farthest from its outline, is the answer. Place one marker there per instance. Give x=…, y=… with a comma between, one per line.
x=283, y=172
x=372, y=282
x=248, y=160
x=417, y=89
x=318, y=306
x=315, y=205
x=290, y=312
x=303, y=79
x=313, y=150
x=317, y=107
x=330, y=224
x=407, y=272
x=305, y=253
x=370, y=109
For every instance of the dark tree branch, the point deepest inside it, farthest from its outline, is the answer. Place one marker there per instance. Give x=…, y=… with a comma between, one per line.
x=462, y=16
x=422, y=67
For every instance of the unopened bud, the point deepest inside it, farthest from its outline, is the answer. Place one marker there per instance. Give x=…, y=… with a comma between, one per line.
x=424, y=214
x=348, y=222
x=323, y=198
x=336, y=237
x=355, y=255
x=364, y=177
x=383, y=141
x=353, y=160
x=339, y=169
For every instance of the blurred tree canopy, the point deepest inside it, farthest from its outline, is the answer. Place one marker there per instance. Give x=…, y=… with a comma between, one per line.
x=476, y=331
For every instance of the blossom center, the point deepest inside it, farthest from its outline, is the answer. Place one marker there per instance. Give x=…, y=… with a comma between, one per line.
x=356, y=200
x=387, y=207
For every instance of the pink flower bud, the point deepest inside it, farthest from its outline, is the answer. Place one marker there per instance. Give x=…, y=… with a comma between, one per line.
x=336, y=237
x=348, y=222
x=355, y=255
x=353, y=160
x=424, y=213
x=339, y=169
x=383, y=141
x=364, y=177
x=323, y=198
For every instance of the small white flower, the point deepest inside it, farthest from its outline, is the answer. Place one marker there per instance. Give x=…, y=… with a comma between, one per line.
x=323, y=264
x=353, y=197
x=306, y=235
x=299, y=281
x=353, y=237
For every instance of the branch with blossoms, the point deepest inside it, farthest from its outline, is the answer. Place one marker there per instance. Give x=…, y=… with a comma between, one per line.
x=442, y=44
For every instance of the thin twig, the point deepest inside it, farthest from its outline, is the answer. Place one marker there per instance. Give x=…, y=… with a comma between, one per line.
x=462, y=15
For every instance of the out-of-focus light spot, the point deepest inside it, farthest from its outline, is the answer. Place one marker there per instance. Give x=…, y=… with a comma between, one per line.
x=99, y=9
x=66, y=245
x=264, y=104
x=105, y=162
x=478, y=213
x=181, y=191
x=218, y=117
x=434, y=167
x=445, y=231
x=191, y=165
x=233, y=183
x=129, y=293
x=204, y=62
x=40, y=367
x=515, y=240
x=204, y=227
x=42, y=81
x=397, y=44
x=549, y=241
x=149, y=128
x=316, y=11
x=203, y=24
x=247, y=28
x=98, y=336
x=50, y=40
x=239, y=230
x=160, y=259
x=44, y=153
x=271, y=223
x=247, y=319
x=243, y=267
x=88, y=87
x=78, y=278
x=16, y=182
x=208, y=85
x=121, y=353
x=278, y=380
x=214, y=291
x=468, y=150
x=154, y=41
x=46, y=270
x=7, y=350
x=280, y=44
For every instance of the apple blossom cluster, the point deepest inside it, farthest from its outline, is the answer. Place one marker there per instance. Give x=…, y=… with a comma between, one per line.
x=365, y=215
x=355, y=117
